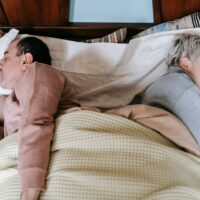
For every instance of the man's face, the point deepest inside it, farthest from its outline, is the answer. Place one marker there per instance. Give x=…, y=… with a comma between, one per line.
x=10, y=67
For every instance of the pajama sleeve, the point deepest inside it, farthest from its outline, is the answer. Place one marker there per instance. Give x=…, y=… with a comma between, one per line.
x=38, y=92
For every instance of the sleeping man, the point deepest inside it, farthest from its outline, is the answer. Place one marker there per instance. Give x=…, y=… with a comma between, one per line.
x=179, y=90
x=36, y=92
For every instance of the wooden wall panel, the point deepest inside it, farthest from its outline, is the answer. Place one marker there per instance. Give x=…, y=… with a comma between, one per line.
x=36, y=12
x=173, y=9
x=3, y=18
x=36, y=16
x=157, y=11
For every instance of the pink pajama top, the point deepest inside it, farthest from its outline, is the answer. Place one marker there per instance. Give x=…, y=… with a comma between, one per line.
x=41, y=93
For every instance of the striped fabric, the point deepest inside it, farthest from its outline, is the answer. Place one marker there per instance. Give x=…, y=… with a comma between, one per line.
x=190, y=21
x=115, y=37
x=97, y=156
x=196, y=19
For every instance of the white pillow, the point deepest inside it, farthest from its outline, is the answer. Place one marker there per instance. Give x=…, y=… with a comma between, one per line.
x=110, y=75
x=5, y=40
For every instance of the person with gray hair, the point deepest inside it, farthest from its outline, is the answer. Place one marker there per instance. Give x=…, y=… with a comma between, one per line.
x=178, y=91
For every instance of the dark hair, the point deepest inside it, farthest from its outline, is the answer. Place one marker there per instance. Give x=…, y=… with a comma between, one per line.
x=36, y=47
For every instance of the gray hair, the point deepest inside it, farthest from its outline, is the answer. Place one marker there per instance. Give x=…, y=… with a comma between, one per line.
x=185, y=45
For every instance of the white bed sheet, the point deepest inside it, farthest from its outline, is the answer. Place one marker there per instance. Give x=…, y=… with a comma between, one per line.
x=110, y=75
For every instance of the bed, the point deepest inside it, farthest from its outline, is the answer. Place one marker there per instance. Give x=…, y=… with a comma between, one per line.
x=127, y=151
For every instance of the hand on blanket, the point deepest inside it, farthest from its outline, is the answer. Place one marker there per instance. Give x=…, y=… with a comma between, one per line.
x=30, y=194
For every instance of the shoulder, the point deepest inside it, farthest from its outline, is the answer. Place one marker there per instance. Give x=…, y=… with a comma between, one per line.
x=47, y=69
x=40, y=72
x=167, y=89
x=40, y=75
x=172, y=81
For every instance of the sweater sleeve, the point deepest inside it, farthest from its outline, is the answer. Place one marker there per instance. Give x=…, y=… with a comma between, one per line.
x=38, y=92
x=187, y=109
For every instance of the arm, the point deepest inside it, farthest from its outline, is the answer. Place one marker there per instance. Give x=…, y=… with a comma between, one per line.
x=187, y=108
x=38, y=92
x=30, y=194
x=179, y=95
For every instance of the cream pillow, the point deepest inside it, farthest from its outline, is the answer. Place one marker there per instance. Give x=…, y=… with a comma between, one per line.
x=91, y=67
x=110, y=75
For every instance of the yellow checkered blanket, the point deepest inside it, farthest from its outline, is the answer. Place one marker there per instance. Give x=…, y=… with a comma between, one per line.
x=97, y=156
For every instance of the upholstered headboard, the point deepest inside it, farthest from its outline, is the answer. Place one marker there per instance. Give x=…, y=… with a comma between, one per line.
x=51, y=17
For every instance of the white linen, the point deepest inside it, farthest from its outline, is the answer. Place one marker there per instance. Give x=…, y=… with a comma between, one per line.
x=6, y=39
x=110, y=75
x=4, y=91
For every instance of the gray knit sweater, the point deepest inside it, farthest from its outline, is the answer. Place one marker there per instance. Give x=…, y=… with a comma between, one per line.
x=177, y=93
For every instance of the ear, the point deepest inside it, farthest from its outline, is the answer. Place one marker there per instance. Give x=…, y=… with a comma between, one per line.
x=27, y=59
x=185, y=63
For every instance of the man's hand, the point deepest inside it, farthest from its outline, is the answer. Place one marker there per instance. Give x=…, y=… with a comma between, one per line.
x=30, y=194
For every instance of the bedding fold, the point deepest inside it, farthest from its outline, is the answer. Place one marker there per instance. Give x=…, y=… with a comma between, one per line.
x=161, y=121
